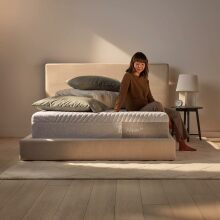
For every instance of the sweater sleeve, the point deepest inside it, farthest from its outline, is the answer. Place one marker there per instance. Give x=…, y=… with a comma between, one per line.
x=125, y=83
x=150, y=98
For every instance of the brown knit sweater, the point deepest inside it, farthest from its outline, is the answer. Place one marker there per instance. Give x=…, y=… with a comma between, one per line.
x=134, y=93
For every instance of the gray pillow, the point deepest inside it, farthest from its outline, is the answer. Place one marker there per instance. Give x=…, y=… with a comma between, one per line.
x=94, y=83
x=106, y=97
x=70, y=104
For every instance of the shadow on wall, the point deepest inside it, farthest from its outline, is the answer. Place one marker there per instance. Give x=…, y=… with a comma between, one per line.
x=208, y=98
x=135, y=27
x=123, y=32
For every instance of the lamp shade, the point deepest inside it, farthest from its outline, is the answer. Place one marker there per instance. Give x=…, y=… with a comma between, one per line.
x=187, y=83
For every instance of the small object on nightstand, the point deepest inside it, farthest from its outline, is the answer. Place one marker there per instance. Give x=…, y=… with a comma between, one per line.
x=178, y=103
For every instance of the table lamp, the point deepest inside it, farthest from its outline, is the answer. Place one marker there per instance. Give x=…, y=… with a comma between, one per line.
x=187, y=86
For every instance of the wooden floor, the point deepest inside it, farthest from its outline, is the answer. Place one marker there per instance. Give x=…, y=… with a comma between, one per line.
x=104, y=199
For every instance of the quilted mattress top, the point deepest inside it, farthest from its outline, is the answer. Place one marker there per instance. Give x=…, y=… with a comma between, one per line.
x=104, y=117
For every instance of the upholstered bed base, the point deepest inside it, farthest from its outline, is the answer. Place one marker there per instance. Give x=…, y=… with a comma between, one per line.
x=98, y=149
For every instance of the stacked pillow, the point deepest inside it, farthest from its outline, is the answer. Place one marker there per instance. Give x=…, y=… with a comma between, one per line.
x=70, y=104
x=88, y=93
x=94, y=83
x=106, y=97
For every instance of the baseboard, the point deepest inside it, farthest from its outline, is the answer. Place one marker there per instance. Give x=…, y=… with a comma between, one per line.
x=211, y=134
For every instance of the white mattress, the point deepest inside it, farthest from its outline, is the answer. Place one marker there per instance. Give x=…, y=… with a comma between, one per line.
x=109, y=124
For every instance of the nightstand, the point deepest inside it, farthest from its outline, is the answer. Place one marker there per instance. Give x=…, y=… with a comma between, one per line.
x=186, y=119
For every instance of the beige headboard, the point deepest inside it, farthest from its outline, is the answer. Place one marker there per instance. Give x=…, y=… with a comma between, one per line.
x=56, y=75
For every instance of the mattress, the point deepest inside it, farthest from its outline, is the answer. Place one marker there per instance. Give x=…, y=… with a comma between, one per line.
x=109, y=124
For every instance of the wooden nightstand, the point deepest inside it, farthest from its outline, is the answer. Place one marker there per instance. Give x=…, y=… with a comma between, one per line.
x=186, y=119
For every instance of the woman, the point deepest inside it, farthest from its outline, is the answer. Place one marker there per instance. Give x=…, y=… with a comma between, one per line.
x=136, y=95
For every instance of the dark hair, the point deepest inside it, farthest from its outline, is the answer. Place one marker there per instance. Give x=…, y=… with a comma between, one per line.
x=139, y=57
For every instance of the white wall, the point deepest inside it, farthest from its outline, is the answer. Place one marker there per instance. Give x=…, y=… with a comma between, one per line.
x=184, y=34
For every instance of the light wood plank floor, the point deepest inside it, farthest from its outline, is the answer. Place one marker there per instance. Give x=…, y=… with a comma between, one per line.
x=104, y=199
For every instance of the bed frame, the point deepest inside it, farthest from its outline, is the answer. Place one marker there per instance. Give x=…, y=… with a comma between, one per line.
x=101, y=149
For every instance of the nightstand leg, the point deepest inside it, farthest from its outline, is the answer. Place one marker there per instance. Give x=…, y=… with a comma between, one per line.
x=188, y=121
x=184, y=119
x=198, y=124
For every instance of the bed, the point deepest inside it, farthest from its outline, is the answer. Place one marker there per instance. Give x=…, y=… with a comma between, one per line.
x=149, y=138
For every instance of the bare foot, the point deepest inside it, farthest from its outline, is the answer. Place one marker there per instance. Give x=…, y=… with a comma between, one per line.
x=184, y=147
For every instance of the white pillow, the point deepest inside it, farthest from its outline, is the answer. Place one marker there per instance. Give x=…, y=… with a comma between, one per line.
x=106, y=97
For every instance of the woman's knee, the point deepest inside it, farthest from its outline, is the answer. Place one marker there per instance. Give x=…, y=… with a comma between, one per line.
x=159, y=106
x=153, y=106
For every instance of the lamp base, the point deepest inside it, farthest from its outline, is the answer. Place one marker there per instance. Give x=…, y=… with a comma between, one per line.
x=188, y=98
